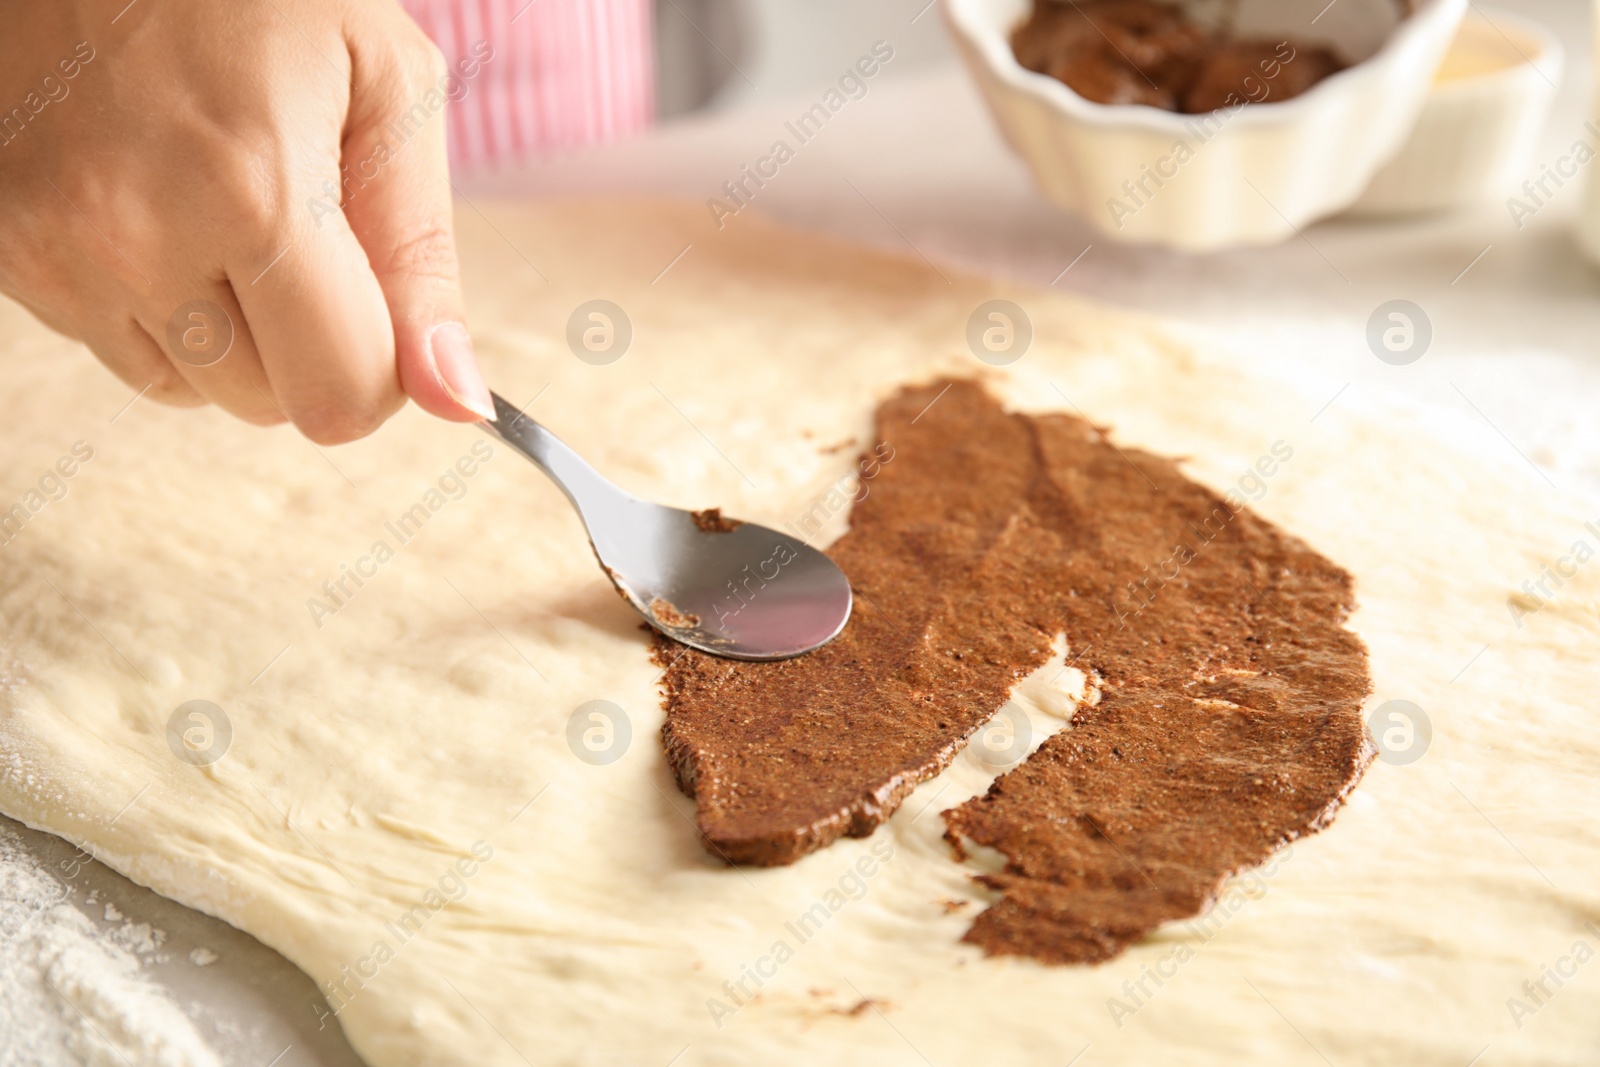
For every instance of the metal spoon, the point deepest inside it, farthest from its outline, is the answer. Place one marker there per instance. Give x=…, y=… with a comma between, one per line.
x=728, y=588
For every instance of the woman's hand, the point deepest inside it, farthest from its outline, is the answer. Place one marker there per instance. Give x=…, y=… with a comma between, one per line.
x=171, y=174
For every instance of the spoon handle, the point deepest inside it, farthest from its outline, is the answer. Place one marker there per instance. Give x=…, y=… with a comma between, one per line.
x=583, y=485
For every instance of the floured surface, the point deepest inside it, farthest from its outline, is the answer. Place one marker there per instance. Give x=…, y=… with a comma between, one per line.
x=69, y=993
x=430, y=712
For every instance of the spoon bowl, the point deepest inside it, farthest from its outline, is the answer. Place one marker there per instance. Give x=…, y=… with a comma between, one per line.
x=726, y=587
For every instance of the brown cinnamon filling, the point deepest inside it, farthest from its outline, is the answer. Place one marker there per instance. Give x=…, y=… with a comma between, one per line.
x=712, y=520
x=1150, y=52
x=669, y=614
x=1229, y=719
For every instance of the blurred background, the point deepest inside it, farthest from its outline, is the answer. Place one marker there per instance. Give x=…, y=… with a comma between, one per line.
x=723, y=53
x=920, y=166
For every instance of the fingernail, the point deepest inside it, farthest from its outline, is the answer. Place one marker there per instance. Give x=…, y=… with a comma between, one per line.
x=457, y=367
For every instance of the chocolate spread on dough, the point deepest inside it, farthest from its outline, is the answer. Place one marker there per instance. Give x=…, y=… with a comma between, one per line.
x=1229, y=716
x=712, y=520
x=1150, y=52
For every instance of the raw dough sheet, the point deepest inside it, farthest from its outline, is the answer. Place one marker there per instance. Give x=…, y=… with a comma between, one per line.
x=411, y=748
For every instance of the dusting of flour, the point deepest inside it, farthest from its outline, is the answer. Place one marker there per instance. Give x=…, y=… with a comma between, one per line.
x=71, y=992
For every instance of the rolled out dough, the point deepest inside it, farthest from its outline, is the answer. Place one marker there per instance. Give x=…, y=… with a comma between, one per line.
x=411, y=748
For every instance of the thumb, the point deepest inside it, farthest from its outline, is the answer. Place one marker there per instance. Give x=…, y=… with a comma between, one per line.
x=397, y=198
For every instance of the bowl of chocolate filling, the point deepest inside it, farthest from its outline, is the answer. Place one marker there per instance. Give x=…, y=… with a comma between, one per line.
x=1204, y=124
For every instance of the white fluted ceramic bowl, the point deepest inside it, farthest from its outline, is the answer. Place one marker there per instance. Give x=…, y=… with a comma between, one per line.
x=1252, y=176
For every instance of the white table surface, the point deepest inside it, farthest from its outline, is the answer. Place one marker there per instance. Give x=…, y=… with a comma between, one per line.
x=917, y=166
